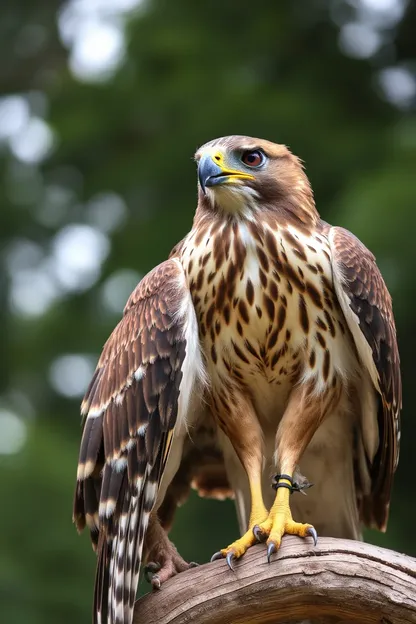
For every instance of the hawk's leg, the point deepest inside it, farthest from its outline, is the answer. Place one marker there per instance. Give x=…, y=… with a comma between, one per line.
x=243, y=429
x=304, y=413
x=163, y=560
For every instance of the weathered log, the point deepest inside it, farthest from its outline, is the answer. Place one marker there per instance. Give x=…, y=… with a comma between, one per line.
x=339, y=581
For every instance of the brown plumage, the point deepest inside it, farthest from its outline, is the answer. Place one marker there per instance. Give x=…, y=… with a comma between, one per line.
x=370, y=302
x=273, y=327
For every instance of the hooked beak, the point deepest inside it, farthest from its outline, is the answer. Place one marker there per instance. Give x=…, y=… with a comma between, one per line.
x=210, y=173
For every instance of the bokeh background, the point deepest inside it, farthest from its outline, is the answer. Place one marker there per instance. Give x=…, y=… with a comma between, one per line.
x=102, y=105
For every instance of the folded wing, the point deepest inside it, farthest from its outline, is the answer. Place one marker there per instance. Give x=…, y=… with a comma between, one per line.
x=367, y=307
x=136, y=403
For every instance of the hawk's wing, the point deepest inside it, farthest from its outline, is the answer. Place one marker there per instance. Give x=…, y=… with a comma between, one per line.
x=135, y=409
x=367, y=307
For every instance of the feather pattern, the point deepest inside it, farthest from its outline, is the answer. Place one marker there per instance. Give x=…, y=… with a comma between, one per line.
x=131, y=410
x=367, y=307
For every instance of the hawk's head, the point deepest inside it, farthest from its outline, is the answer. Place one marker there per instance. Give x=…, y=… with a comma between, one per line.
x=242, y=175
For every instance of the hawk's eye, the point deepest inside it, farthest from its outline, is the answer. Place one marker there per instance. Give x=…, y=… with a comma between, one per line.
x=253, y=158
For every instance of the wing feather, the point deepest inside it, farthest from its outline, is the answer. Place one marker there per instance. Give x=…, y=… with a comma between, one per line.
x=132, y=408
x=367, y=307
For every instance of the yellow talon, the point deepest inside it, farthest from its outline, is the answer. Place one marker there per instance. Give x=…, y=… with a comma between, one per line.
x=280, y=521
x=239, y=547
x=273, y=525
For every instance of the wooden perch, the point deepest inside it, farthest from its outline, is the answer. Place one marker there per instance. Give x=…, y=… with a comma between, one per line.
x=339, y=581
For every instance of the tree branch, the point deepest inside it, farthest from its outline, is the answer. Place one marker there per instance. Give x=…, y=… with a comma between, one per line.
x=338, y=581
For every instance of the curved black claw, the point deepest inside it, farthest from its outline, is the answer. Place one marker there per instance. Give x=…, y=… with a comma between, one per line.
x=312, y=532
x=217, y=555
x=258, y=533
x=271, y=549
x=230, y=558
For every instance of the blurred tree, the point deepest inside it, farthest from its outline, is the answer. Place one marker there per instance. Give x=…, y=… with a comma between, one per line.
x=102, y=106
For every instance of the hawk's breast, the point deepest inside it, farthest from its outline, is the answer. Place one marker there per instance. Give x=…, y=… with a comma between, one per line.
x=265, y=303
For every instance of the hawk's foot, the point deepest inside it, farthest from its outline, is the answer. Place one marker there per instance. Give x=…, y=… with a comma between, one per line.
x=280, y=521
x=236, y=549
x=158, y=573
x=239, y=547
x=162, y=559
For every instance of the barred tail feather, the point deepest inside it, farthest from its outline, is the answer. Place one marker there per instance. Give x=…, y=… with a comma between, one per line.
x=102, y=581
x=121, y=591
x=120, y=556
x=147, y=502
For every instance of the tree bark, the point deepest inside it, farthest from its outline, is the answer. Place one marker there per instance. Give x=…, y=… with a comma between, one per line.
x=339, y=581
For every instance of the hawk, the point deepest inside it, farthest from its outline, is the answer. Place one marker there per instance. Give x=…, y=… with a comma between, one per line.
x=273, y=327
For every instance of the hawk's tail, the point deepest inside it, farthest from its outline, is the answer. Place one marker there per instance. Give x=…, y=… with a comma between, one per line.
x=120, y=554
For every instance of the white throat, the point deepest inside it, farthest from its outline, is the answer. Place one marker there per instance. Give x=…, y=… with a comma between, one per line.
x=236, y=200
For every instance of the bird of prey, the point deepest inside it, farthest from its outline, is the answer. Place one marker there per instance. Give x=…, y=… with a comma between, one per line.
x=275, y=327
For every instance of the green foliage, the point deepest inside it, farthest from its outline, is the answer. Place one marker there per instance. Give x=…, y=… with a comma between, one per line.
x=193, y=71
